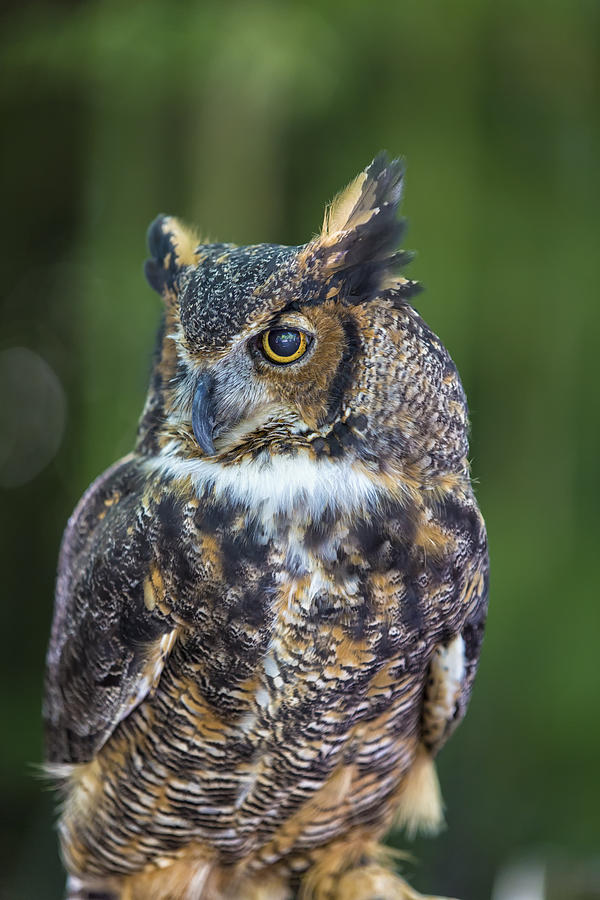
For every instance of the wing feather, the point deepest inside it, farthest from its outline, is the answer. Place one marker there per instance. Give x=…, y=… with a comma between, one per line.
x=109, y=643
x=454, y=661
x=449, y=677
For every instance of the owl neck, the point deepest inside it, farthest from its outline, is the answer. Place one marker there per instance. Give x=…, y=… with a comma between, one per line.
x=298, y=487
x=279, y=485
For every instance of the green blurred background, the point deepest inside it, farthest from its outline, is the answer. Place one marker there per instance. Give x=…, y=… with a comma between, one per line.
x=245, y=117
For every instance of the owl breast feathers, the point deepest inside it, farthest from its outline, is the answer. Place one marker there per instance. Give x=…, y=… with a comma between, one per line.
x=268, y=616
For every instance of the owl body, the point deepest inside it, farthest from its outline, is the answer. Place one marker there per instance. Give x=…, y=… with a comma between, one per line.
x=269, y=616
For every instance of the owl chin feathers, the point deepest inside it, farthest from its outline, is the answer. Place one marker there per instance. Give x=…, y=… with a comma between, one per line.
x=276, y=485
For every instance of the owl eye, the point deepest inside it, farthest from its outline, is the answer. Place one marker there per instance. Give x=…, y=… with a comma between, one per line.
x=283, y=345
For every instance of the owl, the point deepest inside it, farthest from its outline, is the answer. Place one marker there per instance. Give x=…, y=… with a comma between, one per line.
x=269, y=615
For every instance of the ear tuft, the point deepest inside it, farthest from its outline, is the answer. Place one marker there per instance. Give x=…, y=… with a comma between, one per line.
x=338, y=213
x=172, y=246
x=357, y=247
x=378, y=187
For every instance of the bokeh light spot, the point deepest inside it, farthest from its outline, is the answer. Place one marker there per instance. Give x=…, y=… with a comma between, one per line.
x=32, y=411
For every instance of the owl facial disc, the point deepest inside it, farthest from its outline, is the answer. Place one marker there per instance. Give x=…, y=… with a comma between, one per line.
x=203, y=419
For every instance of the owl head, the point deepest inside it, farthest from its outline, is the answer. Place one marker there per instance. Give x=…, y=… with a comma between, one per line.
x=272, y=351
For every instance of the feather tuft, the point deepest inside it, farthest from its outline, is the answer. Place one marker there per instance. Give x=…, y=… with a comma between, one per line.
x=172, y=246
x=420, y=806
x=357, y=247
x=378, y=186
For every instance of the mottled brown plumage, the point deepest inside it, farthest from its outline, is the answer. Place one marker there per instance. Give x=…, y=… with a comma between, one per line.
x=269, y=615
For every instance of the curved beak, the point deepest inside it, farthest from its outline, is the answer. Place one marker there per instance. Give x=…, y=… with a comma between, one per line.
x=203, y=417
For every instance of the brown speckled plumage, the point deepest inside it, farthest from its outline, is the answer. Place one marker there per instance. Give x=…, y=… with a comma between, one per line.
x=260, y=645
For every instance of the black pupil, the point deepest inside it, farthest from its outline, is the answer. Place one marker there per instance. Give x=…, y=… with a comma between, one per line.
x=283, y=342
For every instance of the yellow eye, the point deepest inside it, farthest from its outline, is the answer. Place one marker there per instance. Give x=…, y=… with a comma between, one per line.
x=283, y=345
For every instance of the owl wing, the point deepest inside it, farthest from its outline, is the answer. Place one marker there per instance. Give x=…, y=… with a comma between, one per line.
x=457, y=610
x=109, y=637
x=454, y=661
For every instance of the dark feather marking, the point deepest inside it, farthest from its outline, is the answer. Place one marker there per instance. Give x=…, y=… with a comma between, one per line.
x=403, y=292
x=335, y=448
x=343, y=434
x=473, y=630
x=318, y=531
x=240, y=551
x=170, y=517
x=160, y=245
x=461, y=518
x=358, y=422
x=344, y=375
x=319, y=447
x=214, y=517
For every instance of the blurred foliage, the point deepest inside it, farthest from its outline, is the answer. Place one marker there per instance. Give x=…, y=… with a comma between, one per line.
x=245, y=117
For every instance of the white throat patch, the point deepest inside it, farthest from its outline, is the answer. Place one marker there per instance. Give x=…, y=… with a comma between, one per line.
x=280, y=484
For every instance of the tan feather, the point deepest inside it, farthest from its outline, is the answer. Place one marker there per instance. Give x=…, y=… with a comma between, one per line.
x=185, y=240
x=338, y=214
x=420, y=806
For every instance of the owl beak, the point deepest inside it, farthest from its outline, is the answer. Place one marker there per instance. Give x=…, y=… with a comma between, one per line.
x=203, y=418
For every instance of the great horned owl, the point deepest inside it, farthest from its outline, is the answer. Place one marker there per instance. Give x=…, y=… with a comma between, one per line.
x=269, y=615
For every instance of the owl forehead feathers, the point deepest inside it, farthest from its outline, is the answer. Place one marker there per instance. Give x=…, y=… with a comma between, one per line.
x=221, y=290
x=228, y=289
